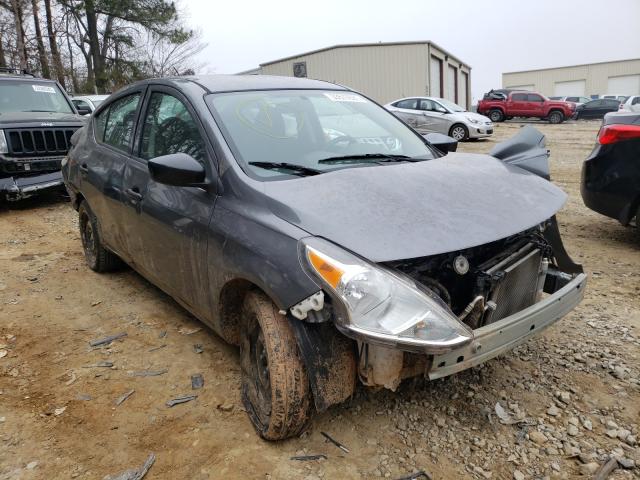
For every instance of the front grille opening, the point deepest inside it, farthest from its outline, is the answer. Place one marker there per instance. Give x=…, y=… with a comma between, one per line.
x=39, y=142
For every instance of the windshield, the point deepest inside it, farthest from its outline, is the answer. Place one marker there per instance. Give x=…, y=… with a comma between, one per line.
x=454, y=107
x=32, y=96
x=319, y=130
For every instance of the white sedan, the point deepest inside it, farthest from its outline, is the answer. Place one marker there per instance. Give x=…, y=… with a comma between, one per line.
x=432, y=114
x=86, y=104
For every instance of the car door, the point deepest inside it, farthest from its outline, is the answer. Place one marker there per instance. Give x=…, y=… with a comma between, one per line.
x=535, y=105
x=168, y=225
x=591, y=109
x=407, y=110
x=435, y=118
x=102, y=168
x=517, y=105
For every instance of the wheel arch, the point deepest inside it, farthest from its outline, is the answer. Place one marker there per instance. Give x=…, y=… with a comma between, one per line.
x=328, y=356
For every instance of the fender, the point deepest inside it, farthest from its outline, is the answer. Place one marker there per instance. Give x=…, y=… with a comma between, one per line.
x=330, y=360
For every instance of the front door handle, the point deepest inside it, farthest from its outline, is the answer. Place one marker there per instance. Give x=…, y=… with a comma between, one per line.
x=134, y=194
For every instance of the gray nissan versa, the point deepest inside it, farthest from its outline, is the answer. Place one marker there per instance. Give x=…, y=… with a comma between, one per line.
x=330, y=241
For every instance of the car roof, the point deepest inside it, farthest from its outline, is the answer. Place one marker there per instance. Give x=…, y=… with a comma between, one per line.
x=26, y=78
x=236, y=83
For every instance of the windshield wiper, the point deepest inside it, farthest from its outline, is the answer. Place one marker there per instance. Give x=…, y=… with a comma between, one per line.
x=376, y=157
x=300, y=170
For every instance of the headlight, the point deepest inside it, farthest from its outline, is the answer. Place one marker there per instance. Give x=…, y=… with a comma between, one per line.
x=4, y=148
x=381, y=306
x=473, y=120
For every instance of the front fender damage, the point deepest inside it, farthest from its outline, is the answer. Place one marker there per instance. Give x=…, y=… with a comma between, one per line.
x=330, y=360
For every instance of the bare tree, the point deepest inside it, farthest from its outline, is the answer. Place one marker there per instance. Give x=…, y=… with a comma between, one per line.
x=42, y=53
x=18, y=17
x=168, y=58
x=53, y=46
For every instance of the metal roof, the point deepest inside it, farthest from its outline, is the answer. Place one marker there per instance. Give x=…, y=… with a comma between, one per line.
x=572, y=66
x=378, y=44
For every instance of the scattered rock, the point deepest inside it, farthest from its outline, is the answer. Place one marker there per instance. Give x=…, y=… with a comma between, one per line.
x=589, y=468
x=518, y=475
x=553, y=411
x=537, y=437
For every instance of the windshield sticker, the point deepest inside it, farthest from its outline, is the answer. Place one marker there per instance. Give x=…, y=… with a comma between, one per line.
x=345, y=97
x=43, y=89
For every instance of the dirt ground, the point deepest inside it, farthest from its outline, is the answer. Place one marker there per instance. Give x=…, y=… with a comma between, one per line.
x=575, y=389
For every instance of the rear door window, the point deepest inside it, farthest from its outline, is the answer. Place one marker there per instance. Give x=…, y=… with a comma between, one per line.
x=519, y=97
x=114, y=125
x=411, y=104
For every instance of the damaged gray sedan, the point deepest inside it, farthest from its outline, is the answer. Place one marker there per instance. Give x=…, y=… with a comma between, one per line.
x=317, y=231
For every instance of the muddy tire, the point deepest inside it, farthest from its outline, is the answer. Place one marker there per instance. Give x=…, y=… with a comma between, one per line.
x=275, y=386
x=496, y=115
x=459, y=132
x=555, y=117
x=98, y=258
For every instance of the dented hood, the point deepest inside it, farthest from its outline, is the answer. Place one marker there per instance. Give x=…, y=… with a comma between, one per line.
x=409, y=210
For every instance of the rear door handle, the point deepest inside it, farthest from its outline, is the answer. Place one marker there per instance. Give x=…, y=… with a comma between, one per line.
x=83, y=167
x=134, y=194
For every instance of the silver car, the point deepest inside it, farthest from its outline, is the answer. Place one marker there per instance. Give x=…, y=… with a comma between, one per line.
x=432, y=114
x=86, y=104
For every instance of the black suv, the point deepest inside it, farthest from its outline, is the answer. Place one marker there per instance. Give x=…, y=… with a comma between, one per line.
x=37, y=120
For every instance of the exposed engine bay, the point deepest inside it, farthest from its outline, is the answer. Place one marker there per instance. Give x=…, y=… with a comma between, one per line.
x=484, y=284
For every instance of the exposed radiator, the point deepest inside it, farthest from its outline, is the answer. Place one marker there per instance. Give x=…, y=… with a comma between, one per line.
x=522, y=275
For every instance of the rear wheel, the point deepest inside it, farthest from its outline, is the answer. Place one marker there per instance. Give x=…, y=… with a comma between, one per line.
x=275, y=386
x=98, y=258
x=556, y=117
x=496, y=115
x=459, y=132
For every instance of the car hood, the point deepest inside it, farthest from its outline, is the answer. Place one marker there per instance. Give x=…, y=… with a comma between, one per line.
x=410, y=210
x=38, y=118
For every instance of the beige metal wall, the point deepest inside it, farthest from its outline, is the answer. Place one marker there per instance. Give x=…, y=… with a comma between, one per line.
x=382, y=72
x=596, y=76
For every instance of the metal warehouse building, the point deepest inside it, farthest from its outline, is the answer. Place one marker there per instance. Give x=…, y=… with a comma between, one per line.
x=619, y=78
x=382, y=71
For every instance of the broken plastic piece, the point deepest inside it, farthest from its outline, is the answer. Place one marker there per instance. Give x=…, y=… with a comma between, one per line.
x=314, y=302
x=107, y=340
x=179, y=400
x=197, y=381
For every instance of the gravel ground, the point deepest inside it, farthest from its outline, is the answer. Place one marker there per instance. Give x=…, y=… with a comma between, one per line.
x=556, y=407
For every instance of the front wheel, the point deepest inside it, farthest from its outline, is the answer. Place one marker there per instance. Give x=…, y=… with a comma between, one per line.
x=556, y=117
x=496, y=115
x=459, y=132
x=275, y=386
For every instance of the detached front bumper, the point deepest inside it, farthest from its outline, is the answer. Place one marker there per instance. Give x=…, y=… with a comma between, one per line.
x=499, y=337
x=13, y=189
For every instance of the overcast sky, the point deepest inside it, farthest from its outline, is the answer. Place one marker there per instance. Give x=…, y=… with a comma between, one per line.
x=493, y=36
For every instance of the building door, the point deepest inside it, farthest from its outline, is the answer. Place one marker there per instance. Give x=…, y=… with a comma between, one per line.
x=464, y=91
x=624, y=85
x=435, y=87
x=570, y=89
x=452, y=84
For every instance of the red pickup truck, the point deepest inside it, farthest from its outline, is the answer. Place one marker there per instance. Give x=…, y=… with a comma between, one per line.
x=525, y=104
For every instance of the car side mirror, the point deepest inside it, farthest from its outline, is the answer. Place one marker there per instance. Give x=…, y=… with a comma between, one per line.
x=83, y=110
x=442, y=142
x=177, y=169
